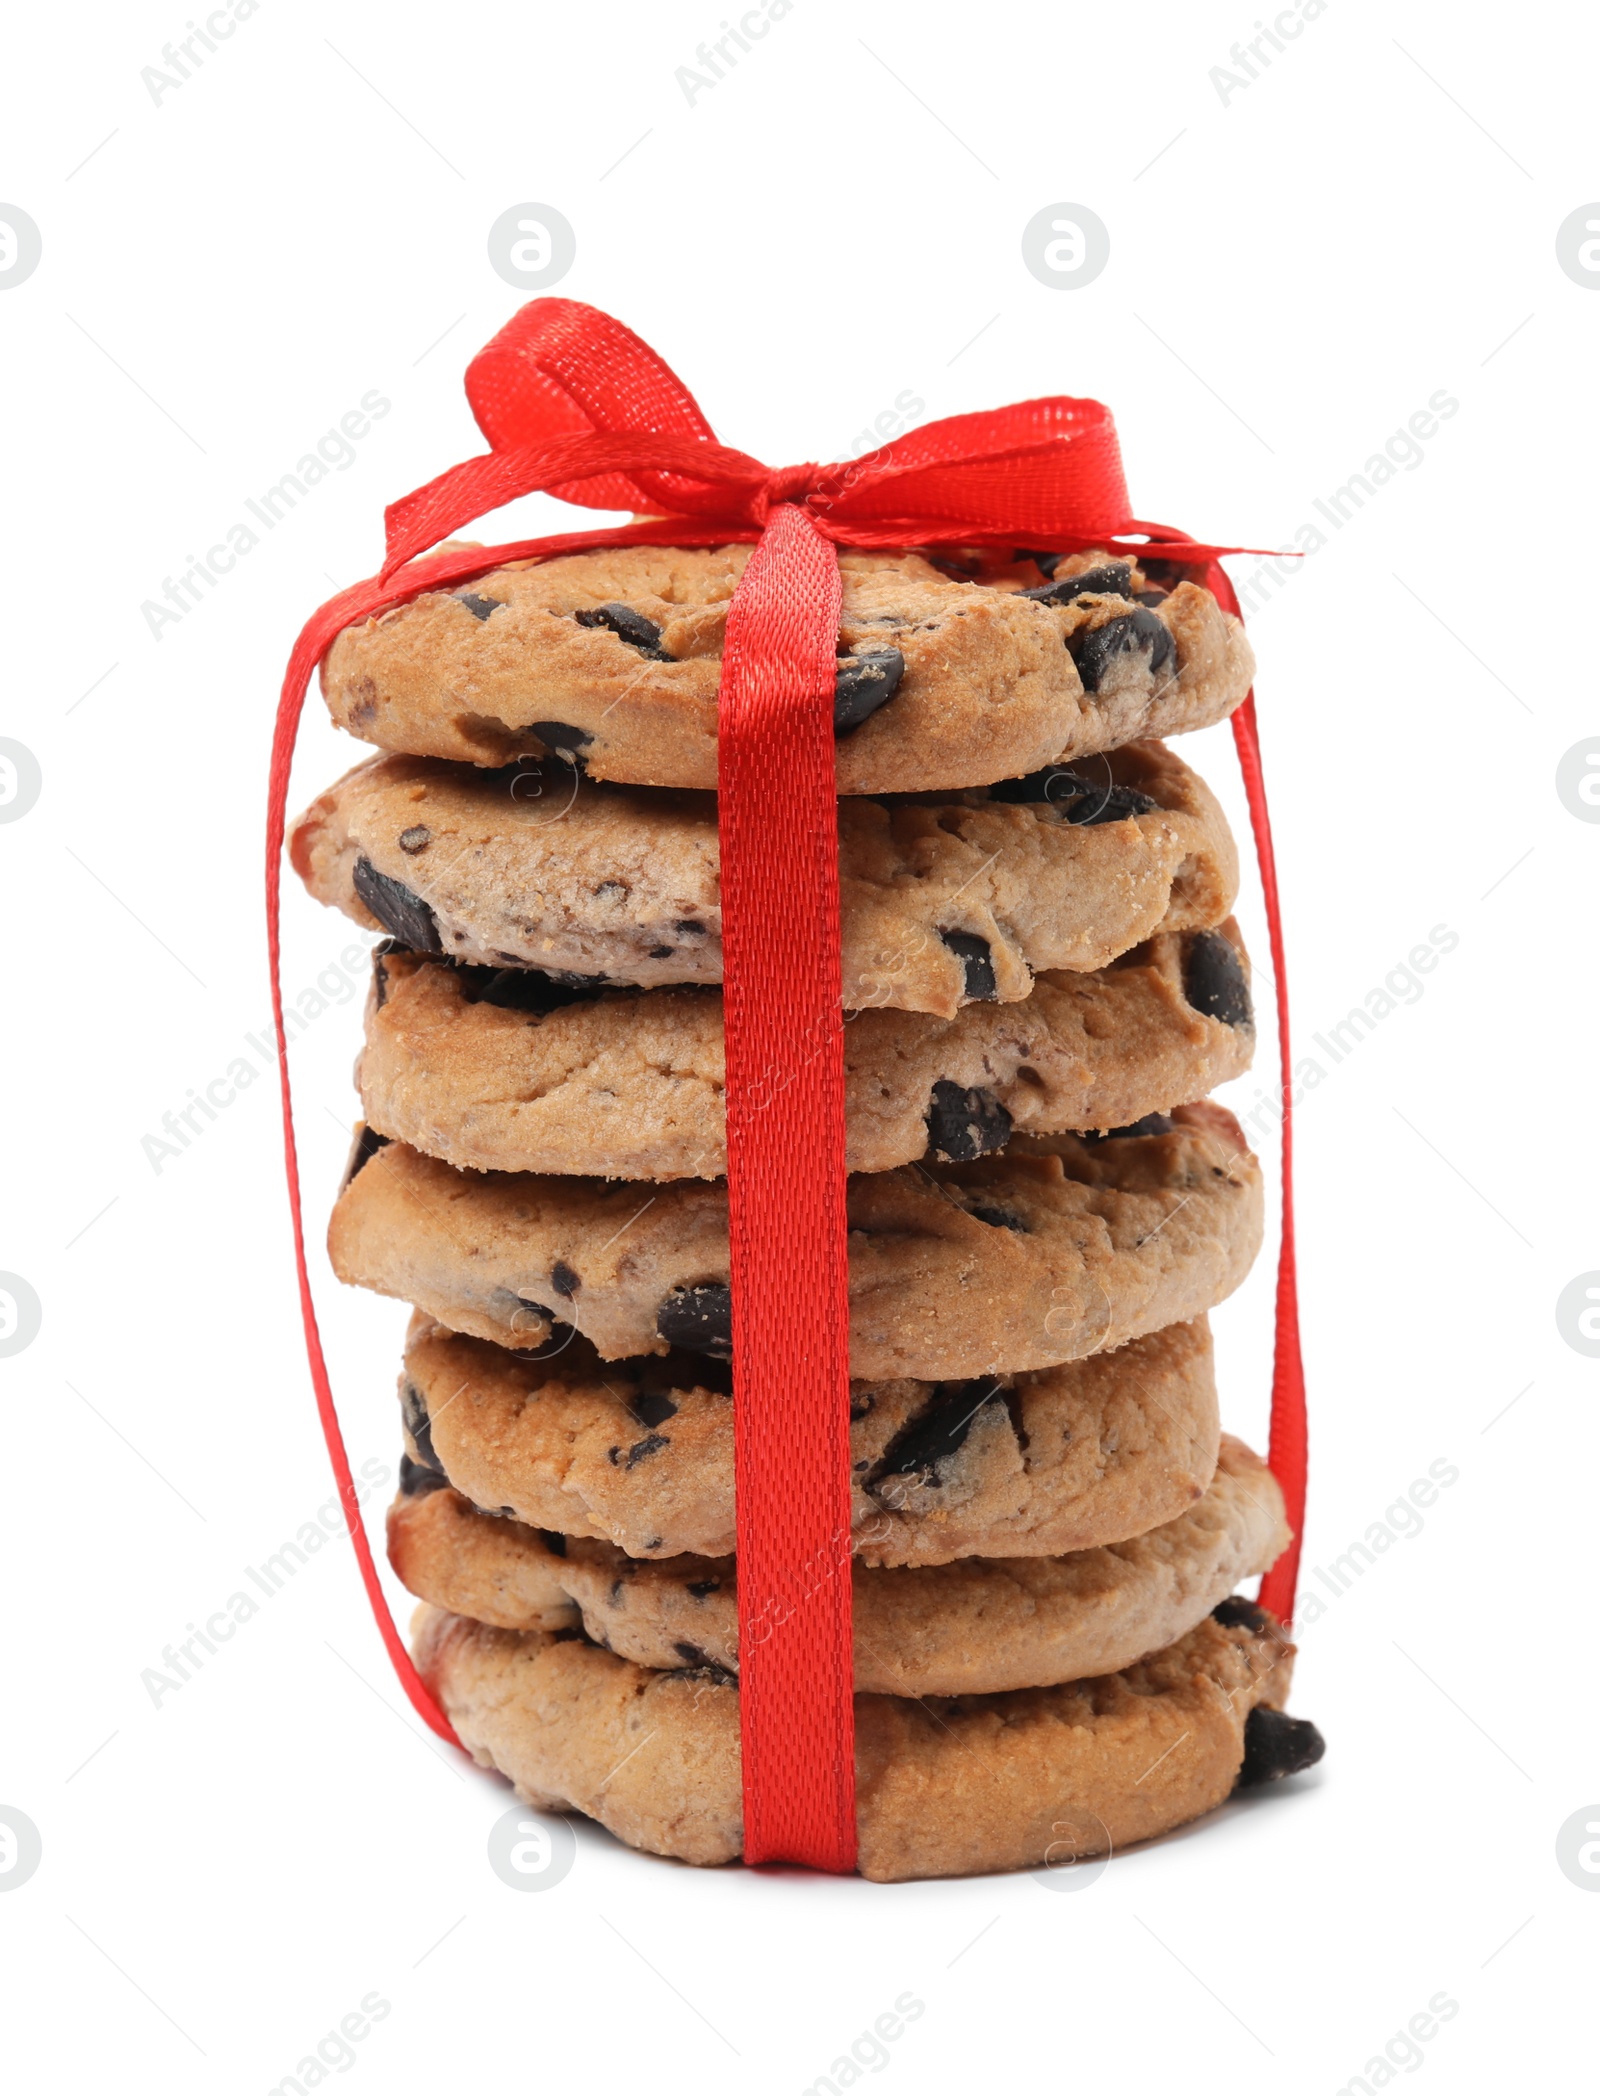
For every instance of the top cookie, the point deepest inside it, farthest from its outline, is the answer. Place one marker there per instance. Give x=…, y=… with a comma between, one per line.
x=613, y=659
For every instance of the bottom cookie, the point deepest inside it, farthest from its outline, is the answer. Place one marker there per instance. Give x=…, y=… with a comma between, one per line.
x=945, y=1787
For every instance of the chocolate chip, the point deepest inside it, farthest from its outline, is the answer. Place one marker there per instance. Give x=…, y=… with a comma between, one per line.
x=553, y=1540
x=977, y=960
x=651, y=1407
x=414, y=1411
x=1138, y=632
x=514, y=1310
x=965, y=1122
x=700, y=1588
x=996, y=1218
x=406, y=915
x=862, y=683
x=659, y=953
x=1236, y=1613
x=561, y=741
x=718, y=1676
x=416, y=1480
x=563, y=1280
x=1169, y=573
x=1151, y=598
x=368, y=1142
x=1111, y=579
x=689, y=928
x=523, y=989
x=699, y=1319
x=861, y=1403
x=1214, y=979
x=614, y=1598
x=611, y=891
x=1151, y=1124
x=629, y=625
x=925, y=1444
x=416, y=839
x=691, y=1655
x=1080, y=800
x=480, y=607
x=1276, y=1744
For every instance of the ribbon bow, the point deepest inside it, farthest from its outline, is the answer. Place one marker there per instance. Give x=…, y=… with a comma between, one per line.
x=576, y=405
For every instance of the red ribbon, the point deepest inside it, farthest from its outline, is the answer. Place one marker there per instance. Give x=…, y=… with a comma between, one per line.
x=574, y=404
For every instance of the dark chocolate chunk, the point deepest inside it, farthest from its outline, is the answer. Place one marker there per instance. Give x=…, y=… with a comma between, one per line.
x=1151, y=598
x=1167, y=574
x=561, y=741
x=563, y=1280
x=965, y=1122
x=414, y=1411
x=861, y=1403
x=406, y=915
x=1080, y=800
x=691, y=1655
x=699, y=1319
x=1214, y=979
x=1013, y=1403
x=417, y=1480
x=416, y=839
x=523, y=989
x=660, y=953
x=553, y=1540
x=516, y=1311
x=1110, y=579
x=938, y=1433
x=629, y=625
x=651, y=1407
x=700, y=1588
x=480, y=607
x=862, y=683
x=366, y=1146
x=997, y=1218
x=1276, y=1745
x=1237, y=1613
x=975, y=957
x=1139, y=632
x=689, y=928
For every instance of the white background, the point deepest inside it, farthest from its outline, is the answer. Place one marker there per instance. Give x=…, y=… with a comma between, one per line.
x=1293, y=273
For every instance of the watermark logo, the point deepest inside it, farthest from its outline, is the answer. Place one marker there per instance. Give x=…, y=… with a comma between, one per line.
x=1066, y=1867
x=1577, y=779
x=1578, y=246
x=532, y=246
x=21, y=1314
x=20, y=779
x=1577, y=1314
x=21, y=1847
x=1066, y=246
x=1578, y=1848
x=21, y=245
x=529, y=1854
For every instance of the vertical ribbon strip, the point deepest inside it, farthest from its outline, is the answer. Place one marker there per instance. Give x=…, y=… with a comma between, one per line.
x=779, y=830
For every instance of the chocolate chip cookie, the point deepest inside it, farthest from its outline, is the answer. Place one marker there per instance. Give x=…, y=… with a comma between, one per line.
x=974, y=1627
x=639, y=1453
x=536, y=866
x=612, y=659
x=508, y=1070
x=945, y=1787
x=1059, y=1247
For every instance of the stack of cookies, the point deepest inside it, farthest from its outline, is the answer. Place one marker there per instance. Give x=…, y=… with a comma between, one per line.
x=1042, y=982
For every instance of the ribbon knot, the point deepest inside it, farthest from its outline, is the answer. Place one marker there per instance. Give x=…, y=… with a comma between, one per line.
x=798, y=484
